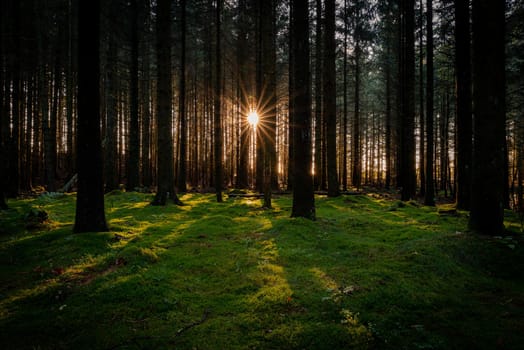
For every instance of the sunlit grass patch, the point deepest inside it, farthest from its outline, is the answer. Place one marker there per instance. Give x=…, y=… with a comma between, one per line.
x=368, y=273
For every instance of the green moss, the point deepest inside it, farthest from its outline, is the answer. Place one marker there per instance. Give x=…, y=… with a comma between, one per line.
x=369, y=273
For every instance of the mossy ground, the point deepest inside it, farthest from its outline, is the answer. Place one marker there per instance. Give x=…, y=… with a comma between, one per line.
x=369, y=273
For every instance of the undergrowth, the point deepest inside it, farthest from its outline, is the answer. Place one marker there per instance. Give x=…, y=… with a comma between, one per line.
x=369, y=273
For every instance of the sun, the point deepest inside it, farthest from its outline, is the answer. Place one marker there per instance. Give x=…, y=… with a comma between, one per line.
x=252, y=118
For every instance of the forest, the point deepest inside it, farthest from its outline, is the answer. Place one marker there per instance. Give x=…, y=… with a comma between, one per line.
x=271, y=174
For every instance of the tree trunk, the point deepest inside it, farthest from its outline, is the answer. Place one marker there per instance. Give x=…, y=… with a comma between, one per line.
x=487, y=196
x=291, y=101
x=319, y=125
x=133, y=154
x=111, y=136
x=330, y=97
x=218, y=104
x=422, y=153
x=182, y=161
x=429, y=197
x=90, y=214
x=242, y=172
x=407, y=117
x=164, y=118
x=303, y=197
x=345, y=101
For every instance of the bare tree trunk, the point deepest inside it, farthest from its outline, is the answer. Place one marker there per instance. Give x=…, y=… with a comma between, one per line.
x=90, y=214
x=489, y=109
x=407, y=79
x=164, y=118
x=133, y=154
x=303, y=197
x=429, y=198
x=330, y=95
x=218, y=105
x=319, y=122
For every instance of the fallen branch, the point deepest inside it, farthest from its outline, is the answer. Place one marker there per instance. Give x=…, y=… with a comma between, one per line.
x=69, y=184
x=193, y=324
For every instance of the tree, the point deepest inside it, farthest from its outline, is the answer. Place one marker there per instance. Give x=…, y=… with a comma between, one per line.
x=182, y=168
x=242, y=58
x=90, y=215
x=4, y=124
x=266, y=97
x=217, y=103
x=133, y=151
x=318, y=180
x=407, y=101
x=345, y=102
x=463, y=104
x=429, y=196
x=330, y=97
x=303, y=196
x=487, y=192
x=164, y=119
x=422, y=143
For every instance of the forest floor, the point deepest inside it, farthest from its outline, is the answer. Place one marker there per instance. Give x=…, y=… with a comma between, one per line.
x=369, y=273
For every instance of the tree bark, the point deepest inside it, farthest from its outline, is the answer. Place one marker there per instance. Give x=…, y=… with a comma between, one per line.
x=164, y=117
x=182, y=161
x=303, y=197
x=330, y=95
x=133, y=149
x=90, y=214
x=319, y=122
x=489, y=108
x=429, y=197
x=218, y=104
x=407, y=118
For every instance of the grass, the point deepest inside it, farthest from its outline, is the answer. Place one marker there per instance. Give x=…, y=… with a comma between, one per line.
x=370, y=273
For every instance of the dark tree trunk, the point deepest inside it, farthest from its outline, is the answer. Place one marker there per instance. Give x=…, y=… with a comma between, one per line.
x=266, y=95
x=345, y=101
x=422, y=143
x=70, y=84
x=303, y=197
x=291, y=102
x=111, y=138
x=356, y=176
x=319, y=125
x=133, y=156
x=245, y=129
x=182, y=161
x=4, y=123
x=146, y=103
x=487, y=195
x=463, y=103
x=387, y=73
x=14, y=144
x=330, y=96
x=218, y=104
x=407, y=117
x=164, y=118
x=90, y=214
x=429, y=197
